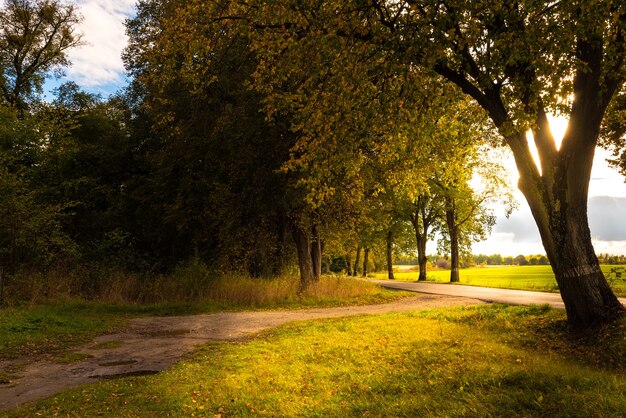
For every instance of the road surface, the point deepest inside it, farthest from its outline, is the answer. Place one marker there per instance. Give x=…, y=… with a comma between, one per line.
x=487, y=294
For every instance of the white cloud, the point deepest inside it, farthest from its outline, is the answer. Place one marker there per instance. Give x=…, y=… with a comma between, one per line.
x=609, y=247
x=99, y=61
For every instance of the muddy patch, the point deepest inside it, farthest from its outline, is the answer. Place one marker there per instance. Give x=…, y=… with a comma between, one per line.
x=167, y=333
x=118, y=363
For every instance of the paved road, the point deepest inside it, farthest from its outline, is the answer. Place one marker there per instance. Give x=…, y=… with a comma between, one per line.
x=487, y=294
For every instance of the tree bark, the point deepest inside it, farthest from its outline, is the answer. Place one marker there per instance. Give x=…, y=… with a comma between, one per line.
x=357, y=260
x=1, y=286
x=348, y=265
x=316, y=253
x=421, y=257
x=366, y=254
x=453, y=232
x=305, y=263
x=561, y=217
x=390, y=256
x=423, y=216
x=326, y=263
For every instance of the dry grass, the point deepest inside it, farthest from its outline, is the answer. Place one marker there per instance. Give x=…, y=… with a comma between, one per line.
x=191, y=282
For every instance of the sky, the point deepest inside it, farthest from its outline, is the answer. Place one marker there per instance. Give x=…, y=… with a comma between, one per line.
x=97, y=67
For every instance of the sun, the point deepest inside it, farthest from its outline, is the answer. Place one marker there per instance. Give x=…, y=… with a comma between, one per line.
x=558, y=125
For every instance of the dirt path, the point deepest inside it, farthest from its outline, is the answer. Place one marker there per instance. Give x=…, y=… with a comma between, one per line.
x=150, y=345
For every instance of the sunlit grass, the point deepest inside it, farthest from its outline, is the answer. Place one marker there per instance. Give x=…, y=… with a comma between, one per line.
x=473, y=361
x=538, y=278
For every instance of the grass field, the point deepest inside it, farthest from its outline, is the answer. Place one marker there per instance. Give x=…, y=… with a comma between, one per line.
x=538, y=278
x=478, y=361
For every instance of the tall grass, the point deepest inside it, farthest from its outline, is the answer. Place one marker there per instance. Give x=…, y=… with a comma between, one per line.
x=190, y=282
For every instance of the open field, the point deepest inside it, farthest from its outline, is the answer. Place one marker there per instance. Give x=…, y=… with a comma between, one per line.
x=538, y=278
x=488, y=360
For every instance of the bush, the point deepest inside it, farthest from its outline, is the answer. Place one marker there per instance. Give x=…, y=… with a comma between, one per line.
x=443, y=263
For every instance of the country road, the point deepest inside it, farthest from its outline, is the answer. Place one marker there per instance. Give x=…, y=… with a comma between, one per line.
x=486, y=294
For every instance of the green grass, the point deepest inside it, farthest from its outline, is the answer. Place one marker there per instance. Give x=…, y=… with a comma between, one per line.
x=32, y=331
x=538, y=278
x=488, y=360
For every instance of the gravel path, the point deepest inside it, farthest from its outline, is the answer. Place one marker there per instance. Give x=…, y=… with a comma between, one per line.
x=153, y=344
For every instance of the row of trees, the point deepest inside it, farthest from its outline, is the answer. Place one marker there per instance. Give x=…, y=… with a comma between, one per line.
x=469, y=260
x=343, y=125
x=517, y=61
x=185, y=162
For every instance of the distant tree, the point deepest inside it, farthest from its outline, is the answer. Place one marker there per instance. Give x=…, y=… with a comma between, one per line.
x=520, y=260
x=35, y=36
x=91, y=168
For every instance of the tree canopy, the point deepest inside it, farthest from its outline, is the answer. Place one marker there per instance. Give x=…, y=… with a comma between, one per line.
x=517, y=60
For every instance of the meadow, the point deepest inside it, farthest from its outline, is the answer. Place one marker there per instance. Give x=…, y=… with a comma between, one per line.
x=538, y=278
x=490, y=360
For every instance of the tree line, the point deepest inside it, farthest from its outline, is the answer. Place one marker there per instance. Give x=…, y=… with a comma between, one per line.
x=471, y=260
x=260, y=135
x=184, y=164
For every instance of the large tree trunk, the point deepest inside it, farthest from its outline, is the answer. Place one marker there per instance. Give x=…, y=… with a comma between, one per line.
x=303, y=248
x=390, y=256
x=587, y=296
x=558, y=200
x=316, y=253
x=357, y=260
x=366, y=254
x=421, y=236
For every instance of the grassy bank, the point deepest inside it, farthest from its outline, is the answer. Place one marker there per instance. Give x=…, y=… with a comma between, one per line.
x=538, y=278
x=49, y=328
x=478, y=361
